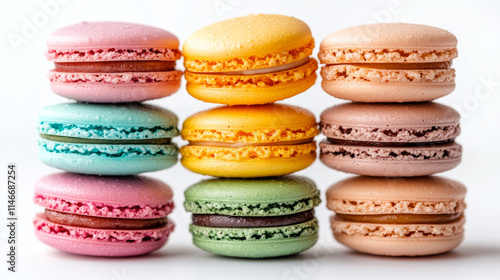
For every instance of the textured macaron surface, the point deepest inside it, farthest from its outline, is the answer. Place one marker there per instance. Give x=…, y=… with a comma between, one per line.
x=389, y=43
x=108, y=41
x=411, y=231
x=132, y=197
x=378, y=195
x=82, y=234
x=386, y=122
x=108, y=121
x=388, y=62
x=251, y=124
x=304, y=229
x=250, y=42
x=273, y=196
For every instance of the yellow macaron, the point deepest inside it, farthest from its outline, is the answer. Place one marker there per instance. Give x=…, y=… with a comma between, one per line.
x=256, y=59
x=249, y=141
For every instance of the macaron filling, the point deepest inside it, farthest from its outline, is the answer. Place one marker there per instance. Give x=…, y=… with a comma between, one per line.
x=114, y=66
x=76, y=220
x=400, y=218
x=225, y=221
x=65, y=139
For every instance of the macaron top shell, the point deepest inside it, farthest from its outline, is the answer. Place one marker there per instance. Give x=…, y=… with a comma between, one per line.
x=391, y=115
x=123, y=191
x=418, y=43
x=391, y=35
x=273, y=189
x=125, y=197
x=384, y=195
x=428, y=188
x=102, y=41
x=251, y=119
x=133, y=119
x=261, y=36
x=252, y=197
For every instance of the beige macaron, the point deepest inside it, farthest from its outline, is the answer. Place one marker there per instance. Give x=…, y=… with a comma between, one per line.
x=388, y=62
x=398, y=216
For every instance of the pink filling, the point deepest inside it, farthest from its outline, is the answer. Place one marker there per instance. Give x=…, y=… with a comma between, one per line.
x=115, y=78
x=101, y=210
x=122, y=236
x=112, y=54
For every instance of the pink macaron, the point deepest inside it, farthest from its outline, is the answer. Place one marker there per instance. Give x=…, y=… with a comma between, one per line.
x=103, y=216
x=112, y=62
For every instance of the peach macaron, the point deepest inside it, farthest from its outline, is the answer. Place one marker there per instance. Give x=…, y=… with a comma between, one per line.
x=388, y=62
x=398, y=216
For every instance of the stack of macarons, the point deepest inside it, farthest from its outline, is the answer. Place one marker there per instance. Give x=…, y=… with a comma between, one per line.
x=248, y=63
x=392, y=72
x=108, y=68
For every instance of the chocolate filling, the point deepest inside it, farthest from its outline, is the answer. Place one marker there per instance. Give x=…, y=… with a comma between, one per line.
x=209, y=220
x=102, y=223
x=115, y=66
x=65, y=139
x=401, y=218
x=386, y=144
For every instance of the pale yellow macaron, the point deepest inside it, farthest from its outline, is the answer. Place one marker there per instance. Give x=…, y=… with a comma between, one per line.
x=249, y=141
x=255, y=59
x=388, y=62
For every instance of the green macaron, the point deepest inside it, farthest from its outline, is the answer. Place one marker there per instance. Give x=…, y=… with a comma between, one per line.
x=253, y=218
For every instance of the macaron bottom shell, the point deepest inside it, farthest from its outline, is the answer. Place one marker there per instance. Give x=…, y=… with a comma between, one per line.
x=399, y=239
x=248, y=168
x=392, y=161
x=265, y=242
x=249, y=96
x=115, y=93
x=387, y=92
x=400, y=246
x=101, y=248
x=256, y=249
x=102, y=165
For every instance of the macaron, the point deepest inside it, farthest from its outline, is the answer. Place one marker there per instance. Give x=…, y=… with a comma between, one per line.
x=253, y=218
x=255, y=59
x=103, y=216
x=107, y=139
x=249, y=141
x=390, y=139
x=388, y=62
x=113, y=62
x=398, y=216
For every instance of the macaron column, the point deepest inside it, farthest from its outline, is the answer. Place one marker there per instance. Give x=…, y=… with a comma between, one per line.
x=394, y=134
x=248, y=63
x=99, y=206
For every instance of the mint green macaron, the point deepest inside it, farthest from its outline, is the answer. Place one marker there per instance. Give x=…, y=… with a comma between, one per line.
x=253, y=218
x=107, y=139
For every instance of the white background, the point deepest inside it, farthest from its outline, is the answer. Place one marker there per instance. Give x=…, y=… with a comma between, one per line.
x=24, y=89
